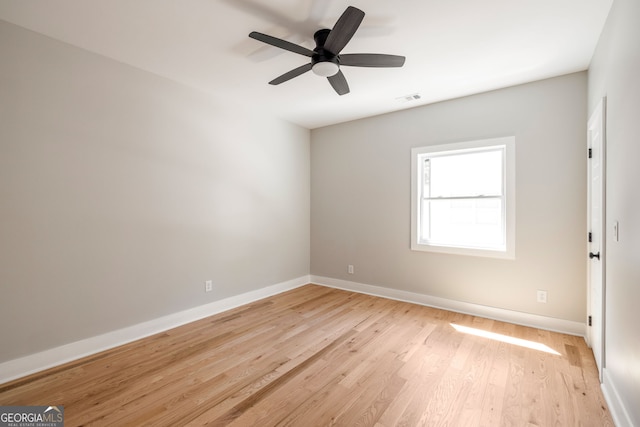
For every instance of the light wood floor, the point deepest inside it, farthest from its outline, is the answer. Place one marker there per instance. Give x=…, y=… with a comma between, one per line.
x=317, y=356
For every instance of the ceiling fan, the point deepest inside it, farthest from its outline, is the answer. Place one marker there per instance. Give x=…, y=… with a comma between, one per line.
x=326, y=58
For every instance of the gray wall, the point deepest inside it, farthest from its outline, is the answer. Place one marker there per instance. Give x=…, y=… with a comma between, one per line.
x=614, y=72
x=360, y=199
x=121, y=192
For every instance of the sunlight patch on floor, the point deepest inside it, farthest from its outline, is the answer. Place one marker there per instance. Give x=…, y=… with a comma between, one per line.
x=505, y=338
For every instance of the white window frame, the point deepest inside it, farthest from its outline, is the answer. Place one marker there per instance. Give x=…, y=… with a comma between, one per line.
x=509, y=206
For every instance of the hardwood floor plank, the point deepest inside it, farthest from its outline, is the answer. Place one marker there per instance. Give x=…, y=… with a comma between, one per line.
x=492, y=404
x=318, y=356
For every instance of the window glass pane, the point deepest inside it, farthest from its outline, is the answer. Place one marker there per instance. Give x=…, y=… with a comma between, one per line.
x=463, y=198
x=467, y=223
x=467, y=174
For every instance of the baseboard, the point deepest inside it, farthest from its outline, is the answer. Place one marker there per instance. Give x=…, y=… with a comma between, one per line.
x=619, y=413
x=511, y=316
x=30, y=364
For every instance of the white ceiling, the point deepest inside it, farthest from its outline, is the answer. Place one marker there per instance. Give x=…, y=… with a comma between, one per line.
x=453, y=48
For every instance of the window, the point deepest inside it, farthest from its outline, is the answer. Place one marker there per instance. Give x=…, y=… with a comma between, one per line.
x=463, y=198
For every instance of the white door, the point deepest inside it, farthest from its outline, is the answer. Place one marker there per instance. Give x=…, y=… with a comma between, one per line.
x=596, y=245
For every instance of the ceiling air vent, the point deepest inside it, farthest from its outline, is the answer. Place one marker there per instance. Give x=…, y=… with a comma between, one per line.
x=409, y=98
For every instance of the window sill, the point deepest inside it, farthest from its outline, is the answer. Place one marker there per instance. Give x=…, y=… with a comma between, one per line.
x=454, y=250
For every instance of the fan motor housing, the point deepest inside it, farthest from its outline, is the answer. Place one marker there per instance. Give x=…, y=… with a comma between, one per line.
x=321, y=54
x=324, y=56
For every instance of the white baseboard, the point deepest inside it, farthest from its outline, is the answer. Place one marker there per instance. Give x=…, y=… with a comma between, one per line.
x=619, y=413
x=32, y=363
x=519, y=318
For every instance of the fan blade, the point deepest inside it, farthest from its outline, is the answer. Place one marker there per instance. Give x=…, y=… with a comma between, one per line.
x=371, y=60
x=282, y=44
x=291, y=74
x=344, y=29
x=339, y=83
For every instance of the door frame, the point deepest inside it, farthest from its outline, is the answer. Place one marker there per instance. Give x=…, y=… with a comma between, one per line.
x=597, y=119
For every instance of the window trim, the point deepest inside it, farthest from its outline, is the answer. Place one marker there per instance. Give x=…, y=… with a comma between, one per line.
x=510, y=201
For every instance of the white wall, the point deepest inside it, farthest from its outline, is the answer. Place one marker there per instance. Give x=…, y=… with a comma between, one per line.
x=360, y=199
x=614, y=73
x=121, y=192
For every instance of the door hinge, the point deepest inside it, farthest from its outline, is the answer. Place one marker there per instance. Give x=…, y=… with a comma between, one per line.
x=590, y=153
x=590, y=237
x=590, y=321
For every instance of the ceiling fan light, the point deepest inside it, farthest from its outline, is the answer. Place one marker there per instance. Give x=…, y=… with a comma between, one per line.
x=325, y=69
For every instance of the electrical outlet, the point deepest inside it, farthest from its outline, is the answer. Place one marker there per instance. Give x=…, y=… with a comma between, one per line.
x=208, y=286
x=542, y=296
x=350, y=269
